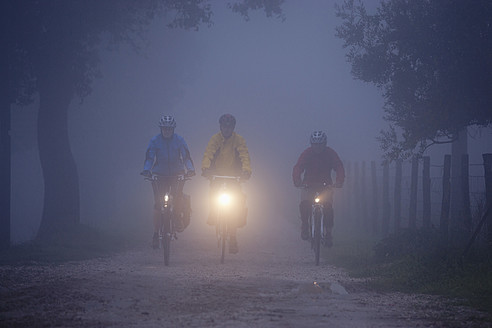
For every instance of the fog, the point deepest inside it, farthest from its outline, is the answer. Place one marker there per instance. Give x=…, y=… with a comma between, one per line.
x=281, y=80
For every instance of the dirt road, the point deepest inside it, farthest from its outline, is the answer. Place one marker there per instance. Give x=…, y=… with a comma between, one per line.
x=272, y=282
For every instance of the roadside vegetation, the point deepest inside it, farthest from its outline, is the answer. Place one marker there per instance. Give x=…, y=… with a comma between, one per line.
x=415, y=262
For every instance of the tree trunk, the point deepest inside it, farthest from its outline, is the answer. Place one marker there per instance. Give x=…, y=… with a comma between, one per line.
x=61, y=208
x=5, y=171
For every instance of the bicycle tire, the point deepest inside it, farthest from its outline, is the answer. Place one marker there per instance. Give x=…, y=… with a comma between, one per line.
x=223, y=237
x=317, y=235
x=166, y=238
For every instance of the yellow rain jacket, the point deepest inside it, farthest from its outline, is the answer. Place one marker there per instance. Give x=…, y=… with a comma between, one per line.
x=227, y=156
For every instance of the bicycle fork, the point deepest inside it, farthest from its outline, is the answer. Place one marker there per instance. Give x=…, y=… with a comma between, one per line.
x=167, y=212
x=317, y=208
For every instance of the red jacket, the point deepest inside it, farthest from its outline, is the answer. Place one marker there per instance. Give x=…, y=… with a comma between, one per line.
x=317, y=167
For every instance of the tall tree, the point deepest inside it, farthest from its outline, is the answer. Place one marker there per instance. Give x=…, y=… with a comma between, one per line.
x=54, y=44
x=16, y=86
x=431, y=59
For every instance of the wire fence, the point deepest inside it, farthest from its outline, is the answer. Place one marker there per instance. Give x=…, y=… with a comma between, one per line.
x=368, y=198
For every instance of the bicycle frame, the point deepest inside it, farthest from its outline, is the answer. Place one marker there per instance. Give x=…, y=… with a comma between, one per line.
x=316, y=218
x=317, y=228
x=225, y=201
x=167, y=232
x=317, y=210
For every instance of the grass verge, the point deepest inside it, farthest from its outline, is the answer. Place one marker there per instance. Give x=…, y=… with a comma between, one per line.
x=415, y=262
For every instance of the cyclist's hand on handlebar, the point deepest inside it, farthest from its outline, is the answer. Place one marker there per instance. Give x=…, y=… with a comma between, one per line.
x=189, y=174
x=146, y=173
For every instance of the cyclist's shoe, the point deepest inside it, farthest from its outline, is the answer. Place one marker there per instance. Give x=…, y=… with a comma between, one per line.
x=155, y=241
x=328, y=239
x=304, y=230
x=233, y=248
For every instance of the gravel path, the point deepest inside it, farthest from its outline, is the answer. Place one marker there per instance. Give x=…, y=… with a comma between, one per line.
x=272, y=282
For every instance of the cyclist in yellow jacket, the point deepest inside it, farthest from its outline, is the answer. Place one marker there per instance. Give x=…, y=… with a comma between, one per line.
x=227, y=154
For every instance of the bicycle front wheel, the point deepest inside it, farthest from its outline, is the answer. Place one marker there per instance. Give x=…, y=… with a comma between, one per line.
x=223, y=237
x=317, y=236
x=166, y=239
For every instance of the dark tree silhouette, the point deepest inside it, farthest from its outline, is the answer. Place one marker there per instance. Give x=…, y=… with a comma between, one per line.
x=432, y=60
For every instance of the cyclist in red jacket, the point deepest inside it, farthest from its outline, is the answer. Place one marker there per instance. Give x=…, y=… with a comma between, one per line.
x=314, y=168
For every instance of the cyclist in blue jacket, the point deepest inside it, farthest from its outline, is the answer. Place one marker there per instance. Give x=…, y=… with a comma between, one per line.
x=168, y=156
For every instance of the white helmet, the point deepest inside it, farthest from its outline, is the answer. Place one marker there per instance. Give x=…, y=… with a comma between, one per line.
x=167, y=121
x=318, y=137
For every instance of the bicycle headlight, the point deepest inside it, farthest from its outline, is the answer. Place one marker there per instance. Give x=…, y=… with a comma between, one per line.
x=166, y=199
x=225, y=199
x=317, y=199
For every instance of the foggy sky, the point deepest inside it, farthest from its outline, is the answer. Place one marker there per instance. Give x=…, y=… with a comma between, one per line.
x=282, y=80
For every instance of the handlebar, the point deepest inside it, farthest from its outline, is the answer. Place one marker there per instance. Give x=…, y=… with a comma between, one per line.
x=316, y=185
x=230, y=177
x=154, y=176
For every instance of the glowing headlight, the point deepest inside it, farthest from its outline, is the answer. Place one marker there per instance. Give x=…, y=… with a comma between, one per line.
x=225, y=199
x=166, y=198
x=316, y=200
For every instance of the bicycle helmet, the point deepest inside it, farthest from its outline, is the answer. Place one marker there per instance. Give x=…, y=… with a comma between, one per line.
x=318, y=137
x=167, y=121
x=228, y=120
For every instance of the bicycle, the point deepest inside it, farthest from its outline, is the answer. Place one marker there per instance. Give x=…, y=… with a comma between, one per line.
x=226, y=198
x=167, y=226
x=316, y=218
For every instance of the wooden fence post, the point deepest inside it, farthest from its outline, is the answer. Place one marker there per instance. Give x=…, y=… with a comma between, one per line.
x=363, y=199
x=397, y=200
x=426, y=185
x=348, y=192
x=375, y=209
x=412, y=217
x=446, y=197
x=487, y=215
x=487, y=166
x=357, y=196
x=386, y=203
x=465, y=187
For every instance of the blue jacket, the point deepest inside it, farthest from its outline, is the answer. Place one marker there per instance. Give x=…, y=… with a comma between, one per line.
x=168, y=156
